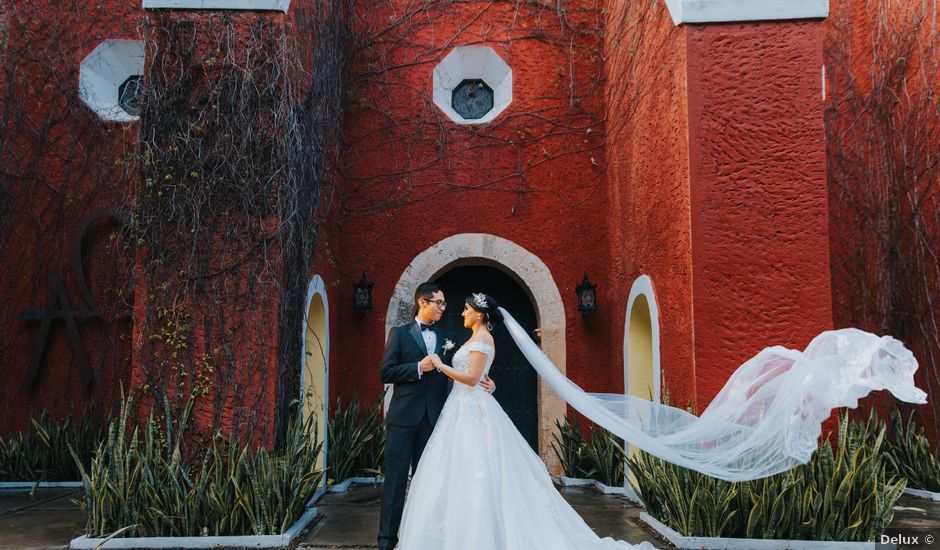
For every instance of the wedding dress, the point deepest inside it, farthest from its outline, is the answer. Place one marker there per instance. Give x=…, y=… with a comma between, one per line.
x=479, y=486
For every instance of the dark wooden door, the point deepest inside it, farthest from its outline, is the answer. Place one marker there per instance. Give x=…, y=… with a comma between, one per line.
x=516, y=383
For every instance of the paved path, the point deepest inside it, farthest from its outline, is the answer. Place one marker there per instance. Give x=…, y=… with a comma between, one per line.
x=351, y=519
x=49, y=519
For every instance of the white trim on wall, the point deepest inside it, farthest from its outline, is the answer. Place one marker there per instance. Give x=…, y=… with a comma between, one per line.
x=317, y=287
x=259, y=5
x=472, y=63
x=720, y=11
x=102, y=72
x=643, y=286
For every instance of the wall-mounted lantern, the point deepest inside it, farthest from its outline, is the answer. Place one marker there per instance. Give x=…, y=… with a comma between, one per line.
x=362, y=299
x=587, y=295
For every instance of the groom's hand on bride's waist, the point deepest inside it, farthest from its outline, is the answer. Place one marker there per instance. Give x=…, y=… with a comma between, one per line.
x=487, y=384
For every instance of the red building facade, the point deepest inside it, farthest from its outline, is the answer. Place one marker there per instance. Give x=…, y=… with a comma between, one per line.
x=675, y=156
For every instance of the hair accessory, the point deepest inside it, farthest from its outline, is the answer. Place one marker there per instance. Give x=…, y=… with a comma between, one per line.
x=480, y=300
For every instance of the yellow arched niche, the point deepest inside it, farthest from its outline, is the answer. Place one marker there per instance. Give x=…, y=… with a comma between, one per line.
x=641, y=372
x=640, y=350
x=314, y=389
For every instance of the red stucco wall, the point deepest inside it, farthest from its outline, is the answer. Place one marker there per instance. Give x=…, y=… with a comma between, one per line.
x=58, y=163
x=760, y=250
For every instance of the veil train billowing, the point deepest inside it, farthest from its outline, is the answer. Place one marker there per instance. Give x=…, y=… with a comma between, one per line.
x=768, y=416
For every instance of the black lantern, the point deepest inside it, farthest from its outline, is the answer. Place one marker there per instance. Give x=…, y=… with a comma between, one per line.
x=362, y=299
x=587, y=295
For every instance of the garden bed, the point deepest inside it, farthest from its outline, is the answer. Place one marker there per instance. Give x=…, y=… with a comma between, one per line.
x=842, y=498
x=566, y=481
x=343, y=486
x=19, y=485
x=245, y=541
x=719, y=543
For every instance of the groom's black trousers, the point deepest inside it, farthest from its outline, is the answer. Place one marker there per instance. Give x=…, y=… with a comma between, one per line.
x=404, y=448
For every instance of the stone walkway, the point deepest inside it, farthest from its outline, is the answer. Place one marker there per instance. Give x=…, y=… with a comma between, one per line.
x=349, y=521
x=49, y=519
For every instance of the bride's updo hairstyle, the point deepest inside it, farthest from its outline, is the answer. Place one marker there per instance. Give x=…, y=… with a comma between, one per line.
x=485, y=304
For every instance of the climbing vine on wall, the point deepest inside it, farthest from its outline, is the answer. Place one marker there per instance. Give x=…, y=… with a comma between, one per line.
x=403, y=150
x=882, y=133
x=238, y=130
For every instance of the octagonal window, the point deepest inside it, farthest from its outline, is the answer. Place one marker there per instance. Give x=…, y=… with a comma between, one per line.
x=129, y=95
x=109, y=79
x=472, y=85
x=472, y=99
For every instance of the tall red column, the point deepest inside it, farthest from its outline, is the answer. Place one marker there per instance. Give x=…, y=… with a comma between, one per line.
x=717, y=175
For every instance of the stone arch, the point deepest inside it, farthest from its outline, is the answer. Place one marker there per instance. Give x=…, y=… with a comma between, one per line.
x=531, y=273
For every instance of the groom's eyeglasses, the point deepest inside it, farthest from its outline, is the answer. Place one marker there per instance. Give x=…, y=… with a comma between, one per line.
x=439, y=303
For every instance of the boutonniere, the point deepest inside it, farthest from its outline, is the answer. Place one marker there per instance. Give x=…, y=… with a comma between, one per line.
x=448, y=345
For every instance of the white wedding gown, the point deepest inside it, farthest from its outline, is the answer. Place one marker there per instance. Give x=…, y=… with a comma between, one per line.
x=479, y=486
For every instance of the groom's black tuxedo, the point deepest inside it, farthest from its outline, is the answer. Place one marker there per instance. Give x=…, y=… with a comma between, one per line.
x=416, y=404
x=413, y=397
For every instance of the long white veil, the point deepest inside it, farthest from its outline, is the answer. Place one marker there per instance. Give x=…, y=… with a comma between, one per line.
x=766, y=419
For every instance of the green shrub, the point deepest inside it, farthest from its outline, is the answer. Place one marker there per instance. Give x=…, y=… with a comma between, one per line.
x=42, y=452
x=910, y=455
x=356, y=440
x=570, y=447
x=142, y=484
x=601, y=456
x=845, y=493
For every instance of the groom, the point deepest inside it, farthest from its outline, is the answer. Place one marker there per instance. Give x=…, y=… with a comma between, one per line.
x=420, y=391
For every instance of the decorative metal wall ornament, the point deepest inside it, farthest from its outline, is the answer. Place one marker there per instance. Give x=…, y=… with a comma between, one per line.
x=587, y=295
x=59, y=306
x=362, y=299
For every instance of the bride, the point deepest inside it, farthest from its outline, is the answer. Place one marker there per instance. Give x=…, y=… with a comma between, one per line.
x=480, y=486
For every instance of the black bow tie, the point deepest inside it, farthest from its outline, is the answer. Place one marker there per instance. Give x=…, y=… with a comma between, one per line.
x=424, y=327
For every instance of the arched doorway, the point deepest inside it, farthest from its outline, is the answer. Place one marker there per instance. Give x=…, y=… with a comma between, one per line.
x=516, y=381
x=315, y=362
x=533, y=275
